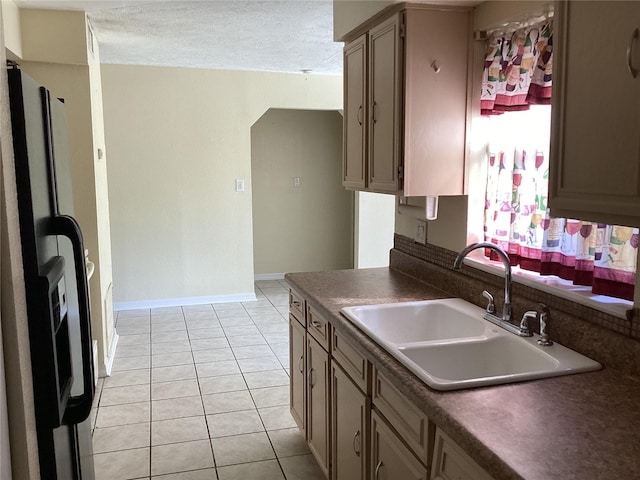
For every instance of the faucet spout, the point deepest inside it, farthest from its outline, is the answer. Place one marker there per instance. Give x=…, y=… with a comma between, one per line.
x=506, y=309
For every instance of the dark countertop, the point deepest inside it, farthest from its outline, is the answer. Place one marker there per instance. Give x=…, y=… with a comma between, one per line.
x=584, y=426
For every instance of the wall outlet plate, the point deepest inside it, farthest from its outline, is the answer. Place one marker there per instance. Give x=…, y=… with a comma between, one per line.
x=421, y=231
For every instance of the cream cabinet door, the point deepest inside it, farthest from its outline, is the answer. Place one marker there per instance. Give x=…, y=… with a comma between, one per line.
x=297, y=380
x=318, y=402
x=435, y=108
x=355, y=114
x=349, y=423
x=452, y=463
x=595, y=148
x=385, y=105
x=390, y=458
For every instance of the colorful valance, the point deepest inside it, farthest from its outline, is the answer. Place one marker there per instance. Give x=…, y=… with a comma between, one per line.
x=518, y=70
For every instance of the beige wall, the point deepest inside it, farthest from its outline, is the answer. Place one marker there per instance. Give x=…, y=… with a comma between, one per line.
x=374, y=227
x=11, y=29
x=494, y=14
x=305, y=228
x=348, y=14
x=177, y=140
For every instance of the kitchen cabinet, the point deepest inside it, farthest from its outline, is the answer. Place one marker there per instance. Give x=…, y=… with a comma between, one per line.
x=385, y=98
x=309, y=382
x=357, y=424
x=318, y=327
x=405, y=102
x=595, y=141
x=298, y=376
x=452, y=463
x=318, y=403
x=352, y=362
x=355, y=114
x=349, y=425
x=405, y=418
x=390, y=458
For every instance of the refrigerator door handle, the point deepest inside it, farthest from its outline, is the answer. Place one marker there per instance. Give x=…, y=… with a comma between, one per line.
x=79, y=407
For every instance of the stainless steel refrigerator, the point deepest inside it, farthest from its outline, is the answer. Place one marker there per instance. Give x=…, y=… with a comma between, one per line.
x=57, y=291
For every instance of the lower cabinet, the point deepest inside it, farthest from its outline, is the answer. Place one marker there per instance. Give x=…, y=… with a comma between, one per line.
x=349, y=428
x=318, y=402
x=298, y=375
x=390, y=458
x=450, y=462
x=357, y=424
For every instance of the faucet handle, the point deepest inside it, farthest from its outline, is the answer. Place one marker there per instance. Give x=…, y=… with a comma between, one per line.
x=544, y=316
x=525, y=330
x=491, y=306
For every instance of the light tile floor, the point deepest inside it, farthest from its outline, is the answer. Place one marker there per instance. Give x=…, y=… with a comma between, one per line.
x=201, y=392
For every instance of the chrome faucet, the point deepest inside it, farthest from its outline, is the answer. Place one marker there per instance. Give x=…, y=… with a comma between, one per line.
x=505, y=320
x=541, y=313
x=544, y=316
x=506, y=308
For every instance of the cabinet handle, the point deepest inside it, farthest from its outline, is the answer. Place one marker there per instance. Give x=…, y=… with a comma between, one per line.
x=632, y=69
x=378, y=467
x=311, y=383
x=373, y=112
x=360, y=115
x=300, y=365
x=296, y=304
x=316, y=324
x=356, y=450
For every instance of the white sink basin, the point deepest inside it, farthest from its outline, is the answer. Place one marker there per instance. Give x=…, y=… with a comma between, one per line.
x=448, y=345
x=410, y=322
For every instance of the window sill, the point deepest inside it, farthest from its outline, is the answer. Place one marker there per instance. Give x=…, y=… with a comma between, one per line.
x=554, y=286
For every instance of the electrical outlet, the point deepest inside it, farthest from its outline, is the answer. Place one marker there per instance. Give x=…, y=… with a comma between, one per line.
x=421, y=231
x=296, y=181
x=239, y=185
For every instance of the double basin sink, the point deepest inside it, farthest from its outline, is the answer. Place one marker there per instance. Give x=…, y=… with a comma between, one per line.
x=448, y=345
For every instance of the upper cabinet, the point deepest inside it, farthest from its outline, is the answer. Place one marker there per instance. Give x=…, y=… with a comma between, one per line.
x=355, y=114
x=595, y=144
x=405, y=102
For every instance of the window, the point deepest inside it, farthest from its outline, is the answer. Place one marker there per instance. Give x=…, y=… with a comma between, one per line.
x=566, y=253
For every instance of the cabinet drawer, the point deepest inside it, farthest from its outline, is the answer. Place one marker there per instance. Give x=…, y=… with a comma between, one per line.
x=296, y=306
x=450, y=462
x=412, y=425
x=351, y=361
x=318, y=327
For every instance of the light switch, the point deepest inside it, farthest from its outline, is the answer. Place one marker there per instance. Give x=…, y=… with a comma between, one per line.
x=296, y=181
x=239, y=185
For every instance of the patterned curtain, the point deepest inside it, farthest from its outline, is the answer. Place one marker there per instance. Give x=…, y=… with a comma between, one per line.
x=518, y=74
x=517, y=219
x=517, y=70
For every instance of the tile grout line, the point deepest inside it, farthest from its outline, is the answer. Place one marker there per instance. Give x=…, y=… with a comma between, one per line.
x=204, y=411
x=277, y=459
x=198, y=377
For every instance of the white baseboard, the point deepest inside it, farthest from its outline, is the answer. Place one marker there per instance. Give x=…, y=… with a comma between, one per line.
x=105, y=369
x=268, y=276
x=177, y=302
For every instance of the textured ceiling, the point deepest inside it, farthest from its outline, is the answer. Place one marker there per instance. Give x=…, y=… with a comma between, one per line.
x=270, y=35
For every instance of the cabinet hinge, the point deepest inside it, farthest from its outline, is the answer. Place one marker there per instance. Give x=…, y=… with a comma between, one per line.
x=400, y=172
